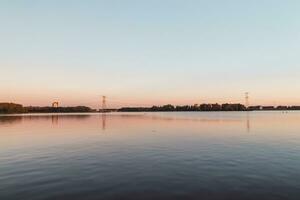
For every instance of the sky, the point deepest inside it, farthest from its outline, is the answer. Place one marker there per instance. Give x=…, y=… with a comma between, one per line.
x=141, y=52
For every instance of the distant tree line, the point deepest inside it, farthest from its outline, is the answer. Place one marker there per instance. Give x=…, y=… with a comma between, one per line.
x=49, y=109
x=205, y=107
x=9, y=108
x=273, y=108
x=196, y=107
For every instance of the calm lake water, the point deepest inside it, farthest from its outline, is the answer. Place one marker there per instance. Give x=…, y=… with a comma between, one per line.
x=188, y=155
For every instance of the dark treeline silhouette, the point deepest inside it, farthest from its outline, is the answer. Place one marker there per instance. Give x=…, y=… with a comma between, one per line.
x=206, y=107
x=8, y=108
x=202, y=107
x=32, y=109
x=273, y=108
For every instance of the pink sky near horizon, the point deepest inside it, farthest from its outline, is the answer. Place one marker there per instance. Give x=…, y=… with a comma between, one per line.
x=73, y=98
x=28, y=86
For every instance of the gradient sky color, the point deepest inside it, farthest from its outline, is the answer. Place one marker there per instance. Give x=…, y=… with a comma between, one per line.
x=139, y=52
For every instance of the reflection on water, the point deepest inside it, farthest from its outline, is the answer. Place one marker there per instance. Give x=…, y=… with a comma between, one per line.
x=55, y=118
x=232, y=155
x=248, y=122
x=103, y=121
x=10, y=119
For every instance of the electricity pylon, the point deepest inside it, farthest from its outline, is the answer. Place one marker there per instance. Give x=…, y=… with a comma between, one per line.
x=55, y=104
x=103, y=103
x=247, y=99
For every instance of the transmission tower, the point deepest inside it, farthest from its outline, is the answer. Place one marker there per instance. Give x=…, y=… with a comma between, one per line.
x=55, y=104
x=247, y=99
x=103, y=103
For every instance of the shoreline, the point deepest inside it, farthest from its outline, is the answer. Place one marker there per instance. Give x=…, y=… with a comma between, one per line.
x=87, y=113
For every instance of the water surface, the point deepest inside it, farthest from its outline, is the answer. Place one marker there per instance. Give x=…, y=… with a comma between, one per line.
x=187, y=155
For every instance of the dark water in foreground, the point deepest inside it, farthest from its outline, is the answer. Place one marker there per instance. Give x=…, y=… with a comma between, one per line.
x=151, y=156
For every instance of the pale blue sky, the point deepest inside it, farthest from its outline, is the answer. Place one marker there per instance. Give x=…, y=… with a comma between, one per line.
x=150, y=52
